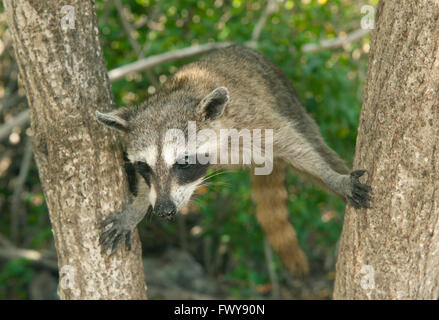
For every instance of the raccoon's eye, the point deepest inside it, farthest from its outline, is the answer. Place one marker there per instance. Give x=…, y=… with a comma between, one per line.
x=183, y=164
x=188, y=171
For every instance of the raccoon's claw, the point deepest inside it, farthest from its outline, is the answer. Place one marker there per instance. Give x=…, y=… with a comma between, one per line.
x=360, y=196
x=111, y=238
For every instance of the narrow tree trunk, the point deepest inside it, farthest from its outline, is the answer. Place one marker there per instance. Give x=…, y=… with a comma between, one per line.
x=63, y=71
x=392, y=250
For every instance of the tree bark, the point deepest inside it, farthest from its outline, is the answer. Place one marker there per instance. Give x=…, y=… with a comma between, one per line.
x=79, y=161
x=391, y=251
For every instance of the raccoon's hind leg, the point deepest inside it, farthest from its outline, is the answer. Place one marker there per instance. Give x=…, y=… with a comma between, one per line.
x=308, y=158
x=270, y=197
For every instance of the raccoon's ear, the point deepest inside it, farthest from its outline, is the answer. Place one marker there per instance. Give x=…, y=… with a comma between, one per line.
x=117, y=119
x=212, y=105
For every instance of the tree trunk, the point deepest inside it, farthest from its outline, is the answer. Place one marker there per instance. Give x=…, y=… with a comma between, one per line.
x=391, y=250
x=63, y=71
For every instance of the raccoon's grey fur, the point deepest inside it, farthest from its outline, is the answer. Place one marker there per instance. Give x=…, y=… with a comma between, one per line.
x=234, y=87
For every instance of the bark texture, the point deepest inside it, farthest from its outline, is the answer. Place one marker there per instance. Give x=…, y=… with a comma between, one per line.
x=79, y=162
x=392, y=250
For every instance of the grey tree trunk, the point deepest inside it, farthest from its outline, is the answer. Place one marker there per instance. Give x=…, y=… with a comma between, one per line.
x=63, y=71
x=392, y=250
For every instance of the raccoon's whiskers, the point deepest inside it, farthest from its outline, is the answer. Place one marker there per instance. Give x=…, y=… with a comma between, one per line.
x=214, y=174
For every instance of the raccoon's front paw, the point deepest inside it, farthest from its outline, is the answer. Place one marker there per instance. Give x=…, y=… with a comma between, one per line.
x=113, y=235
x=359, y=196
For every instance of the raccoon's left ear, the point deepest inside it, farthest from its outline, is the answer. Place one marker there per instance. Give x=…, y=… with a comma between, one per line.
x=117, y=119
x=212, y=105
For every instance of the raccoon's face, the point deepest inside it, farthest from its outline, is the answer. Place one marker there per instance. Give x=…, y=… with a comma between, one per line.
x=168, y=169
x=158, y=145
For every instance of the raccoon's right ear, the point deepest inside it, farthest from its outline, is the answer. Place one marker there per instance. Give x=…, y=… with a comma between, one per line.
x=212, y=105
x=117, y=119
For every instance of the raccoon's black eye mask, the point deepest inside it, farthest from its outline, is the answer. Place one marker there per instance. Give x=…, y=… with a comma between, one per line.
x=144, y=170
x=184, y=163
x=187, y=171
x=143, y=167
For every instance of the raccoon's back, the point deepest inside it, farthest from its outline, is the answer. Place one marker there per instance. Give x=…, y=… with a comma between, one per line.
x=254, y=80
x=246, y=69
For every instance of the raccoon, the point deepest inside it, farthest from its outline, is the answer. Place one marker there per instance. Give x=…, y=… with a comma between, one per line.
x=235, y=87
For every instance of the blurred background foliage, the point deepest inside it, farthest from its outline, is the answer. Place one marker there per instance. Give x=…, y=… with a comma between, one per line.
x=217, y=231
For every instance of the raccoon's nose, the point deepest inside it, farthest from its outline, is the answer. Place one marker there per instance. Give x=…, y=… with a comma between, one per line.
x=165, y=209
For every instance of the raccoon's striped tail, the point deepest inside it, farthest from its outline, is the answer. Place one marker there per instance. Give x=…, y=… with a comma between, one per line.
x=270, y=197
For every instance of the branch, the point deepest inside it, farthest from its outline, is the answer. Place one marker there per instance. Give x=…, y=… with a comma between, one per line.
x=274, y=280
x=28, y=254
x=18, y=216
x=20, y=120
x=152, y=61
x=11, y=101
x=270, y=8
x=9, y=251
x=134, y=44
x=127, y=27
x=337, y=42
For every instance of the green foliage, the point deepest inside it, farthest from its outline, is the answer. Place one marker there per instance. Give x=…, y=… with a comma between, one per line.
x=16, y=275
